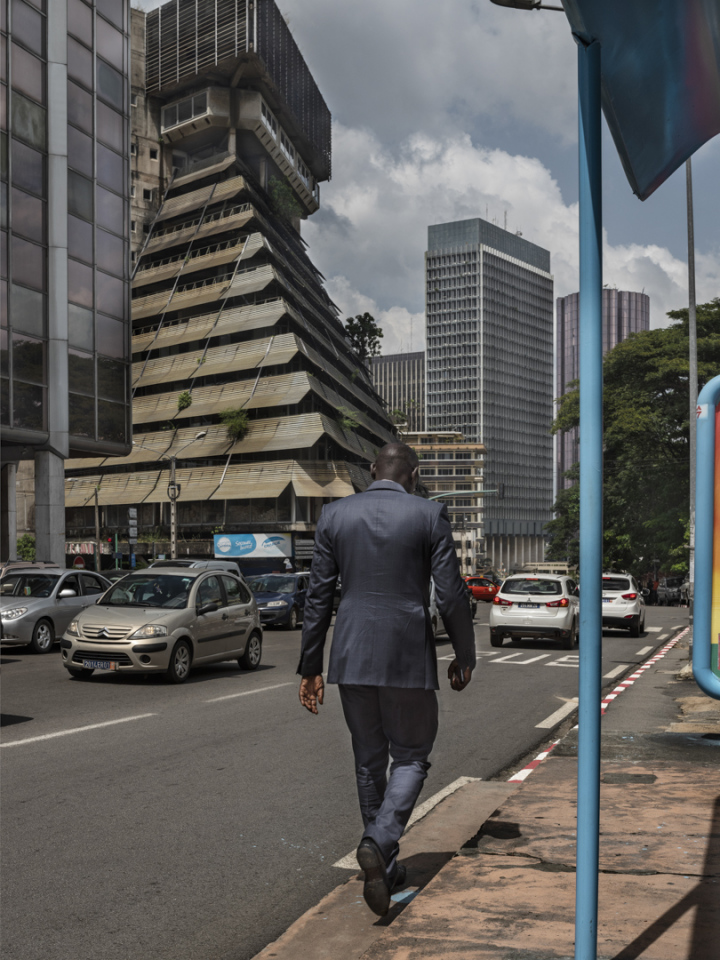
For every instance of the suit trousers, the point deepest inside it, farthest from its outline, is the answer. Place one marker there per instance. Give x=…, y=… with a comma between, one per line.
x=389, y=722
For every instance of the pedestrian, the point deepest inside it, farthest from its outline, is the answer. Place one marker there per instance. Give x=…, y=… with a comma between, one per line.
x=385, y=544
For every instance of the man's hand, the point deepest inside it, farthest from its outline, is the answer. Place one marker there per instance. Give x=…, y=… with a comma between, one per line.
x=458, y=680
x=311, y=692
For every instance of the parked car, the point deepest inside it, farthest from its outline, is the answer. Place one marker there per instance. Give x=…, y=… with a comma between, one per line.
x=623, y=603
x=669, y=591
x=280, y=598
x=483, y=588
x=539, y=607
x=435, y=616
x=37, y=605
x=167, y=621
x=198, y=565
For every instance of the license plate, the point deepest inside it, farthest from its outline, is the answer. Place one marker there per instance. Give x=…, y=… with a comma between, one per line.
x=100, y=664
x=607, y=600
x=529, y=606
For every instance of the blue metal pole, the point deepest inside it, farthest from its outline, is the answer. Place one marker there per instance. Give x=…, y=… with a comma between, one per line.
x=705, y=479
x=591, y=528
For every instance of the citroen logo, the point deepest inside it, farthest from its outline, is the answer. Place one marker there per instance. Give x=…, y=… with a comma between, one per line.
x=104, y=632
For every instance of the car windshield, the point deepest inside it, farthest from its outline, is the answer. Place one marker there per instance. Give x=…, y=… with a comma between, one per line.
x=533, y=586
x=29, y=584
x=615, y=583
x=160, y=590
x=272, y=584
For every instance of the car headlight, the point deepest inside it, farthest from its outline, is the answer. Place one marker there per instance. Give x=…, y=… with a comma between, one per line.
x=277, y=603
x=73, y=629
x=14, y=613
x=149, y=630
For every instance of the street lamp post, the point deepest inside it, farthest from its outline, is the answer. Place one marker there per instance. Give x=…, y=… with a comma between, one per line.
x=173, y=489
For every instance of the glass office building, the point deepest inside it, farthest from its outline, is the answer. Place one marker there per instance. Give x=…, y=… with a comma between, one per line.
x=64, y=292
x=623, y=313
x=399, y=378
x=489, y=308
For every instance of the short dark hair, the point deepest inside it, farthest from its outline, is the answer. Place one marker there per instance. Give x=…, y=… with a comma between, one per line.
x=393, y=455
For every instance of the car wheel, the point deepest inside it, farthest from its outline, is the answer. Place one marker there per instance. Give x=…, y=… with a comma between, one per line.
x=79, y=673
x=568, y=643
x=635, y=627
x=495, y=641
x=250, y=660
x=43, y=637
x=180, y=660
x=292, y=619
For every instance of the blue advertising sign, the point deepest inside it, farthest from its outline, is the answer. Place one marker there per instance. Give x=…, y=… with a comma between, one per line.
x=253, y=545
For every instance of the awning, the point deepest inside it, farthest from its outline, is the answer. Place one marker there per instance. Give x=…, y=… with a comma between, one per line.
x=232, y=320
x=660, y=66
x=183, y=232
x=250, y=281
x=202, y=257
x=176, y=206
x=207, y=171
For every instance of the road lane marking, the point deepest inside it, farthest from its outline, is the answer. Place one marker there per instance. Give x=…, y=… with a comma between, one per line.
x=653, y=629
x=616, y=671
x=571, y=660
x=560, y=714
x=349, y=862
x=65, y=733
x=526, y=771
x=543, y=656
x=246, y=693
x=641, y=653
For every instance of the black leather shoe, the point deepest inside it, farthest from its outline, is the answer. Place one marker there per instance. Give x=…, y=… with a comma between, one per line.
x=399, y=878
x=377, y=886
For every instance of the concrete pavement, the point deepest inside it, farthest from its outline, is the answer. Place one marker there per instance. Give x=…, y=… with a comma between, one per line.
x=508, y=894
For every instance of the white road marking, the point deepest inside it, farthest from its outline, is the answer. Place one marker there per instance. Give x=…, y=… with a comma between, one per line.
x=65, y=733
x=616, y=671
x=349, y=862
x=543, y=656
x=653, y=629
x=559, y=714
x=571, y=660
x=641, y=653
x=246, y=693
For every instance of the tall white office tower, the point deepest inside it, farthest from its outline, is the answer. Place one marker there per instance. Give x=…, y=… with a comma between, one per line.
x=489, y=309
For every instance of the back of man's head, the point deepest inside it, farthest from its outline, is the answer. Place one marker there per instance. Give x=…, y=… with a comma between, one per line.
x=397, y=462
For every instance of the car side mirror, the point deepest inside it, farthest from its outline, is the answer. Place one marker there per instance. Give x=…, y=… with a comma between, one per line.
x=67, y=592
x=208, y=608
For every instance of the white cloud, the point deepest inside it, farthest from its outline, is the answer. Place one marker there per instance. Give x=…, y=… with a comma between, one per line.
x=371, y=234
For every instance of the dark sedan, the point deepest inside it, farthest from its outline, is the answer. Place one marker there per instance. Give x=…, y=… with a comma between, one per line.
x=280, y=598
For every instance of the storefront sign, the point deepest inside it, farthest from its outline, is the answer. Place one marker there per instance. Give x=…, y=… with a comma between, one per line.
x=253, y=545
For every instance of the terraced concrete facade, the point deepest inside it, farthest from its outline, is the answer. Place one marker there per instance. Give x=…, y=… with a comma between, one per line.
x=230, y=315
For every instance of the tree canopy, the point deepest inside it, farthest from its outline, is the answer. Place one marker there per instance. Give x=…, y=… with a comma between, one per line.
x=364, y=335
x=646, y=446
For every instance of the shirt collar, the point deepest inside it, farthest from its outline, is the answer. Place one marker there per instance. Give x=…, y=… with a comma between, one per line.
x=387, y=485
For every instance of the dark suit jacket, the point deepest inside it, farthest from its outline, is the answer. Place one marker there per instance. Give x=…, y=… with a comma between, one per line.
x=385, y=544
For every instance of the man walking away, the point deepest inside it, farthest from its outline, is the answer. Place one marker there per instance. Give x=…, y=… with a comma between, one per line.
x=385, y=545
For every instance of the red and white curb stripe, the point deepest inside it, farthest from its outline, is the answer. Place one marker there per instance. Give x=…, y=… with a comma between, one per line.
x=609, y=697
x=604, y=704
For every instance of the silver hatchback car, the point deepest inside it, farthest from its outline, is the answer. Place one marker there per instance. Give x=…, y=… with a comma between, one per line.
x=36, y=605
x=536, y=605
x=166, y=621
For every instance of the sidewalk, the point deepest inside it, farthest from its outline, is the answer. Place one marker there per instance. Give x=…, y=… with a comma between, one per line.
x=509, y=894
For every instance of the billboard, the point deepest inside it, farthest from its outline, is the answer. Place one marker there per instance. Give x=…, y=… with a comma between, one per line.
x=253, y=545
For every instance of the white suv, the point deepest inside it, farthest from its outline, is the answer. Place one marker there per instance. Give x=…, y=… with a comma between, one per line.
x=623, y=605
x=541, y=606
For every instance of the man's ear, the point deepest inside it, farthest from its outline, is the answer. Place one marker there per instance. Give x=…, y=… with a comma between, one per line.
x=414, y=477
x=373, y=470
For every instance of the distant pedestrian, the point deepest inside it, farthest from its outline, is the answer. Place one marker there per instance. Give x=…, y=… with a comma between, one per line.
x=385, y=545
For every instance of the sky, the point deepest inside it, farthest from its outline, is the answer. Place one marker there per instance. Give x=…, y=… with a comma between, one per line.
x=460, y=109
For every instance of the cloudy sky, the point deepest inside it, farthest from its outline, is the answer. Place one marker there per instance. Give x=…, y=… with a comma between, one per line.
x=444, y=111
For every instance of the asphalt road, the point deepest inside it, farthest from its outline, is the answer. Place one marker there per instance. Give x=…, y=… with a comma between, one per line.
x=196, y=822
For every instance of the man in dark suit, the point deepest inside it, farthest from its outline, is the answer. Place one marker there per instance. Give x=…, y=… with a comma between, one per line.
x=385, y=545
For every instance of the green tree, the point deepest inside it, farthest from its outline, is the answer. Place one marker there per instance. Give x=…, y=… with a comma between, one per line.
x=236, y=422
x=26, y=547
x=283, y=199
x=364, y=335
x=646, y=462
